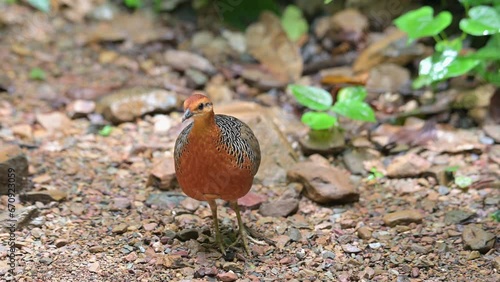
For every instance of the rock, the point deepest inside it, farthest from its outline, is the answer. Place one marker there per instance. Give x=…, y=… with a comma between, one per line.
x=388, y=78
x=476, y=239
x=150, y=226
x=55, y=121
x=93, y=266
x=119, y=228
x=323, y=184
x=408, y=165
x=165, y=200
x=279, y=156
x=473, y=255
x=196, y=77
x=60, y=243
x=227, y=276
x=190, y=204
x=419, y=249
x=294, y=234
x=188, y=234
x=251, y=200
x=493, y=130
x=365, y=232
x=183, y=60
x=348, y=24
x=348, y=248
x=457, y=216
x=403, y=217
x=13, y=170
x=322, y=142
x=23, y=130
x=353, y=159
x=218, y=90
x=96, y=249
x=119, y=203
x=128, y=104
x=21, y=217
x=163, y=175
x=80, y=108
x=44, y=196
x=279, y=208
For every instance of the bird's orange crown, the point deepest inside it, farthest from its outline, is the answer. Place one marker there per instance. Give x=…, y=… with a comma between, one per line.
x=197, y=105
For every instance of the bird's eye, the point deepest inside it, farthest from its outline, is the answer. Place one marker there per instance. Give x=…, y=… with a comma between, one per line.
x=200, y=107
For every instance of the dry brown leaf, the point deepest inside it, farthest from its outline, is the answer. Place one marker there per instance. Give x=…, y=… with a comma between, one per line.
x=390, y=49
x=269, y=44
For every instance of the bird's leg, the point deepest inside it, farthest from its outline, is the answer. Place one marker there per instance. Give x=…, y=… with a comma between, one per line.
x=243, y=233
x=218, y=238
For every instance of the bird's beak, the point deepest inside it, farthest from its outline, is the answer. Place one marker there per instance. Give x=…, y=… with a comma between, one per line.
x=187, y=114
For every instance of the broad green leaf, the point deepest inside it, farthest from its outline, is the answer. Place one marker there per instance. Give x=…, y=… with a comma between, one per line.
x=106, y=130
x=37, y=74
x=293, y=22
x=452, y=168
x=421, y=22
x=485, y=53
x=483, y=20
x=312, y=97
x=353, y=109
x=328, y=1
x=463, y=181
x=319, y=120
x=441, y=66
x=479, y=2
x=133, y=4
x=42, y=5
x=496, y=216
x=455, y=44
x=357, y=93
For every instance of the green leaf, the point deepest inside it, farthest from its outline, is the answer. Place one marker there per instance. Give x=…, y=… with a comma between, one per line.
x=421, y=22
x=106, y=130
x=452, y=168
x=443, y=65
x=478, y=2
x=133, y=4
x=319, y=120
x=42, y=5
x=496, y=216
x=294, y=23
x=37, y=74
x=353, y=109
x=463, y=181
x=312, y=97
x=357, y=93
x=328, y=1
x=483, y=20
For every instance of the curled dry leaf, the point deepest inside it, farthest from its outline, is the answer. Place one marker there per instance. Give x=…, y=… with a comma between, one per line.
x=269, y=44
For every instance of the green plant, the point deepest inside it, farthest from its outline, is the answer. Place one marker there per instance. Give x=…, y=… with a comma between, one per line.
x=322, y=115
x=463, y=181
x=496, y=216
x=133, y=4
x=449, y=59
x=106, y=130
x=42, y=5
x=375, y=174
x=293, y=22
x=37, y=74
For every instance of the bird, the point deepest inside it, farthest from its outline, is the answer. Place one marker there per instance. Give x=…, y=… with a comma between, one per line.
x=216, y=157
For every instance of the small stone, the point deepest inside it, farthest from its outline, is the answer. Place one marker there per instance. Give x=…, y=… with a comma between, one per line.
x=294, y=234
x=279, y=208
x=45, y=196
x=183, y=60
x=457, y=216
x=376, y=245
x=420, y=249
x=45, y=260
x=55, y=121
x=23, y=130
x=80, y=108
x=473, y=255
x=165, y=200
x=13, y=167
x=349, y=248
x=120, y=228
x=61, y=243
x=190, y=204
x=365, y=232
x=409, y=165
x=96, y=249
x=162, y=123
x=232, y=266
x=188, y=234
x=328, y=254
x=131, y=257
x=119, y=203
x=94, y=267
x=443, y=190
x=36, y=233
x=404, y=217
x=227, y=276
x=150, y=226
x=415, y=272
x=323, y=184
x=475, y=238
x=251, y=200
x=162, y=176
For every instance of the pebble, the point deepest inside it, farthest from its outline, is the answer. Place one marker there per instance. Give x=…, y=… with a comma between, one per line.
x=408, y=165
x=119, y=228
x=403, y=217
x=36, y=233
x=61, y=243
x=457, y=216
x=190, y=204
x=188, y=234
x=349, y=248
x=375, y=245
x=96, y=249
x=364, y=232
x=476, y=239
x=80, y=108
x=227, y=276
x=119, y=203
x=13, y=157
x=45, y=196
x=54, y=121
x=279, y=208
x=162, y=175
x=294, y=234
x=443, y=190
x=251, y=200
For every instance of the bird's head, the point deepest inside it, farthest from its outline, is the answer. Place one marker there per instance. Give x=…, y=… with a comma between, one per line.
x=197, y=105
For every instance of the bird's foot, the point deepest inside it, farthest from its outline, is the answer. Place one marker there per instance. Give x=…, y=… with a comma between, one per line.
x=248, y=234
